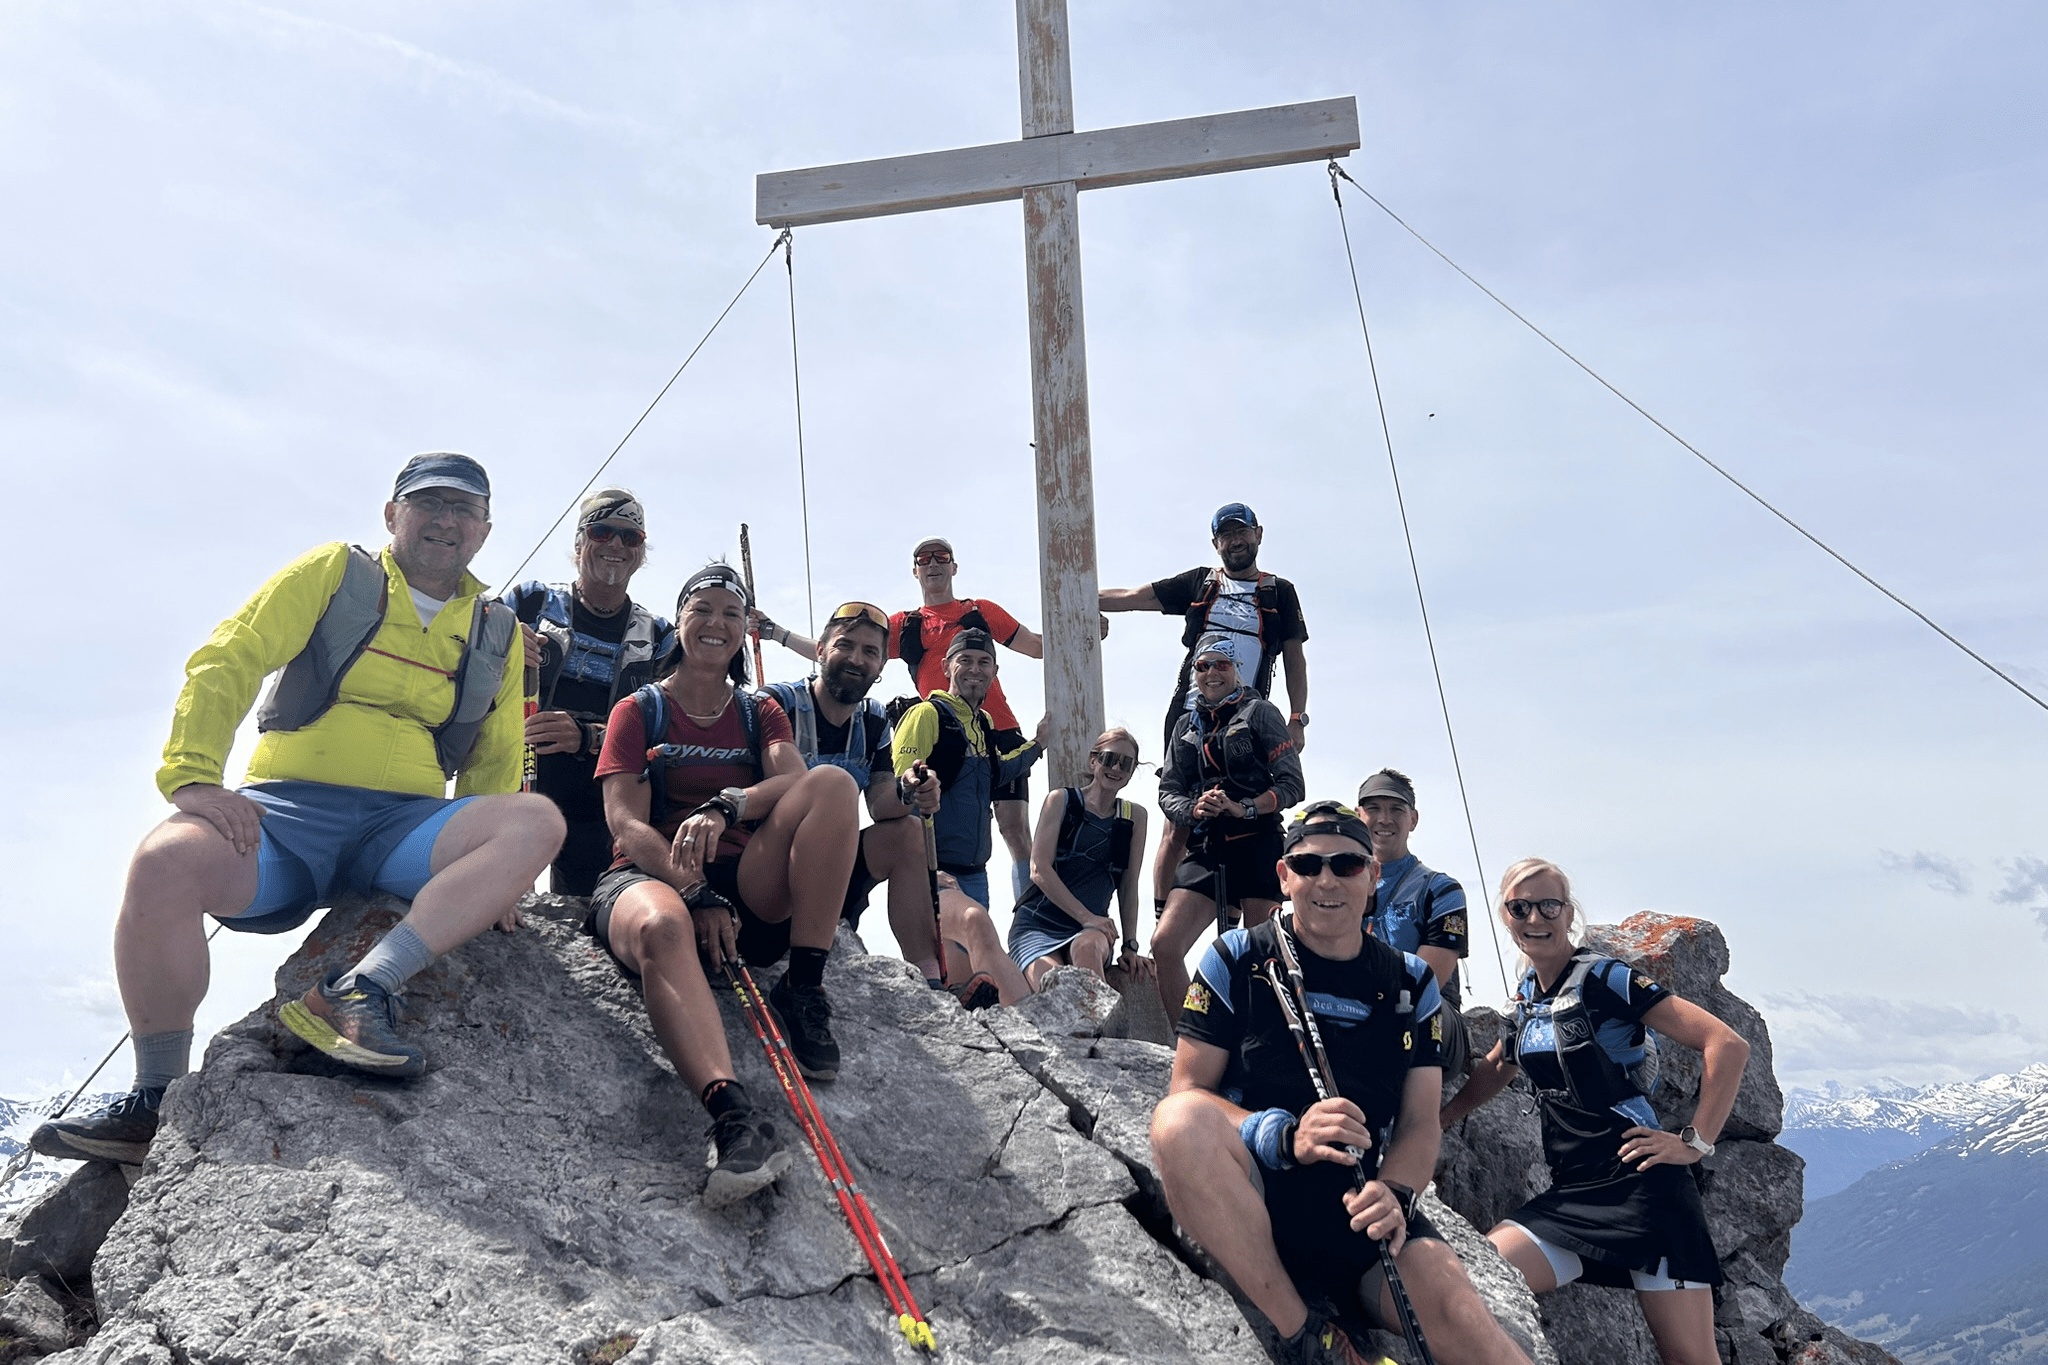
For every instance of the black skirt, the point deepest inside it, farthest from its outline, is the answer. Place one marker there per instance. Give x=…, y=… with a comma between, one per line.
x=1634, y=1221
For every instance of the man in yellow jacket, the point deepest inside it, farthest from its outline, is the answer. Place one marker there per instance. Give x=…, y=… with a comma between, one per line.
x=398, y=677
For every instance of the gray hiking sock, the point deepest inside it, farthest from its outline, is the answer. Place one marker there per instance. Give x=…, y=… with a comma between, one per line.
x=392, y=962
x=161, y=1058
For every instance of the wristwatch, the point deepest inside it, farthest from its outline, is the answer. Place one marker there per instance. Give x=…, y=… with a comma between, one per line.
x=1691, y=1138
x=1299, y=718
x=1407, y=1198
x=1250, y=808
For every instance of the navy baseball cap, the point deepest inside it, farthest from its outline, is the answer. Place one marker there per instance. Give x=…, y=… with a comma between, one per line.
x=442, y=469
x=1232, y=512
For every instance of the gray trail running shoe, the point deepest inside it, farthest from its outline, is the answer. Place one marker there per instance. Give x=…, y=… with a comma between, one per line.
x=121, y=1131
x=806, y=1018
x=357, y=1026
x=750, y=1157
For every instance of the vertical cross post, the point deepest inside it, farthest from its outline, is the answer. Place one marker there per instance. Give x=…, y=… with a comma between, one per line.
x=1059, y=406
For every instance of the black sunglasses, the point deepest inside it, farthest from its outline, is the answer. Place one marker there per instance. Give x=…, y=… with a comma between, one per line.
x=628, y=537
x=1311, y=864
x=1204, y=665
x=1549, y=907
x=1116, y=762
x=931, y=557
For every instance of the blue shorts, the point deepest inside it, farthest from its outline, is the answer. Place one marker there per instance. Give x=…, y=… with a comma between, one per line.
x=974, y=884
x=320, y=840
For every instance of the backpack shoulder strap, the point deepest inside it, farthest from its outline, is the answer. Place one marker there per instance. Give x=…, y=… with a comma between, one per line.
x=654, y=734
x=306, y=688
x=750, y=722
x=910, y=640
x=493, y=635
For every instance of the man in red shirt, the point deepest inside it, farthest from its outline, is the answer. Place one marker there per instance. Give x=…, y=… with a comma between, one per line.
x=920, y=638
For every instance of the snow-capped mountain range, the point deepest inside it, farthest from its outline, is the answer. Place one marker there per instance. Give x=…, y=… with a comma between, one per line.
x=1843, y=1135
x=1942, y=1257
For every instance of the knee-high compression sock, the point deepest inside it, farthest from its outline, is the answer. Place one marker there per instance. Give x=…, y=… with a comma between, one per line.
x=161, y=1058
x=807, y=966
x=401, y=955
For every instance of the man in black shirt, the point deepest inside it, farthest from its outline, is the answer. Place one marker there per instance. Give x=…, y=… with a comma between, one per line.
x=1260, y=1172
x=1260, y=612
x=593, y=645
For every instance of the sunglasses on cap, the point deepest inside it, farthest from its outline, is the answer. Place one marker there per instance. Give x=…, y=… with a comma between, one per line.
x=601, y=532
x=927, y=557
x=1204, y=665
x=1116, y=762
x=860, y=611
x=1340, y=864
x=1549, y=907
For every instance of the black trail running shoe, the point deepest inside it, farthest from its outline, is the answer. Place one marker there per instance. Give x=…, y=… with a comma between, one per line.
x=358, y=1026
x=119, y=1132
x=806, y=1018
x=750, y=1157
x=978, y=992
x=1322, y=1342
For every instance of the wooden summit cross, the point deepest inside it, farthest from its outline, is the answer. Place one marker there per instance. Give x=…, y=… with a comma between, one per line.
x=1047, y=169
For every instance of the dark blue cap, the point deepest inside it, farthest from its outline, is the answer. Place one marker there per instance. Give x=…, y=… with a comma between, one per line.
x=442, y=469
x=1229, y=512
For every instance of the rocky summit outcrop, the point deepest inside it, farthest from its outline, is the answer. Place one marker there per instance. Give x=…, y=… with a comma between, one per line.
x=535, y=1197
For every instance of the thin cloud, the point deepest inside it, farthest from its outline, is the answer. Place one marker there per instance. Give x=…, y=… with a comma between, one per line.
x=1865, y=1040
x=462, y=81
x=1943, y=874
x=2026, y=884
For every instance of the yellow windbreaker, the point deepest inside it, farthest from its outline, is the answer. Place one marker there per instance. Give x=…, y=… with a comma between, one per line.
x=378, y=732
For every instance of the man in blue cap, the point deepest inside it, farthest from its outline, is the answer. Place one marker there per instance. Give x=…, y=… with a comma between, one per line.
x=1261, y=614
x=395, y=675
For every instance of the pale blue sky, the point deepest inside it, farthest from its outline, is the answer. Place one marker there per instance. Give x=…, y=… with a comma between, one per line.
x=256, y=256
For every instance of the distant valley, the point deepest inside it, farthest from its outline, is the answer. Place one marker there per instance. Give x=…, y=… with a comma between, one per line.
x=1926, y=1225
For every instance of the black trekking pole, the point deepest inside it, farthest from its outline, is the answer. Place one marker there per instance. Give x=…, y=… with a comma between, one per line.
x=1301, y=1022
x=931, y=873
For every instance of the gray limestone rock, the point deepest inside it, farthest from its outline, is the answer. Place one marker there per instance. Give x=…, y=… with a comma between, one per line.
x=60, y=1234
x=31, y=1318
x=536, y=1193
x=1073, y=1002
x=537, y=1190
x=1690, y=956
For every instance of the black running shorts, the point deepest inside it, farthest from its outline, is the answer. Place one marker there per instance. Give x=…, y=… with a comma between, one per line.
x=761, y=942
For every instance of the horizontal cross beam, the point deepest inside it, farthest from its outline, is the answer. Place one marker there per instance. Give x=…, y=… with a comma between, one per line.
x=1130, y=155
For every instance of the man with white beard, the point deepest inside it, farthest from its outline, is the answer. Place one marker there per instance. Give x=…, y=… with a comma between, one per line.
x=593, y=645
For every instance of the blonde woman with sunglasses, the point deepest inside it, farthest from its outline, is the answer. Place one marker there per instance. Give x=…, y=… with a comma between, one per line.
x=1089, y=846
x=1623, y=1208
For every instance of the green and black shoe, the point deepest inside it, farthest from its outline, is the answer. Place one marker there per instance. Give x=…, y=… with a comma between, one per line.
x=357, y=1026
